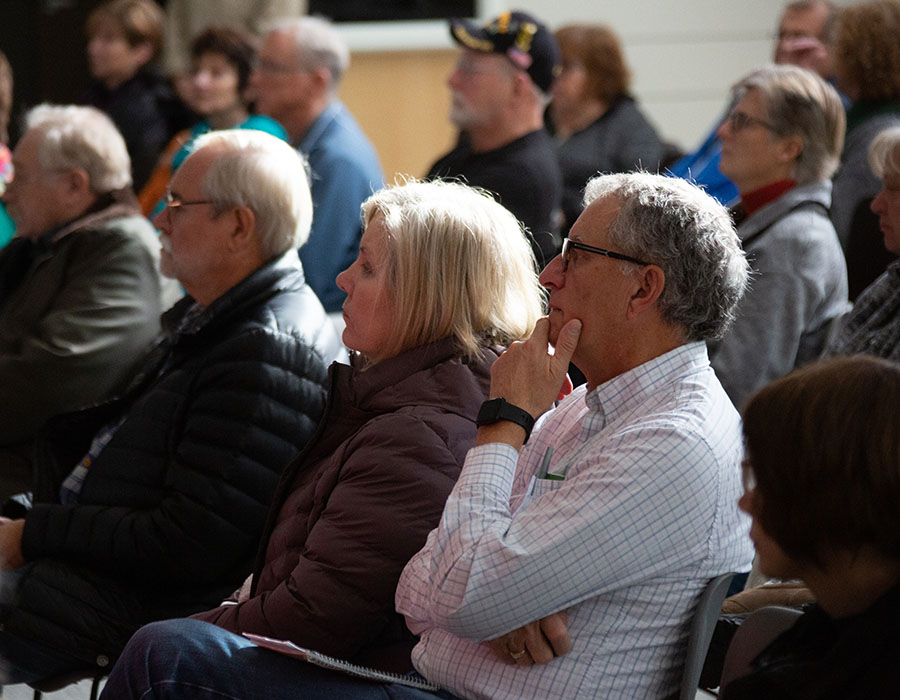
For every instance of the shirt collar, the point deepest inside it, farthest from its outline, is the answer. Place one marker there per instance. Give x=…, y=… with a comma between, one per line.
x=638, y=384
x=753, y=201
x=314, y=133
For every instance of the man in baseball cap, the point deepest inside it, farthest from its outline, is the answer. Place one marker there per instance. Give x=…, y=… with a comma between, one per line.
x=500, y=88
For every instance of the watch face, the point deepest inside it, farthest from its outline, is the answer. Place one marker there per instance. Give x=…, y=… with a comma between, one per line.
x=489, y=412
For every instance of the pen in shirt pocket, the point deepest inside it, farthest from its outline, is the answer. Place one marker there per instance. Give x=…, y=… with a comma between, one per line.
x=542, y=472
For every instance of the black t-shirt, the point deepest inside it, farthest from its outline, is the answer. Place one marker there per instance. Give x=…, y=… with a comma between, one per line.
x=524, y=177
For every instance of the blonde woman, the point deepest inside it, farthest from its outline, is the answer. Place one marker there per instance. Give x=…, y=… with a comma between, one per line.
x=443, y=278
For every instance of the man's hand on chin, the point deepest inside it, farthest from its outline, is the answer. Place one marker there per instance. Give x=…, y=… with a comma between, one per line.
x=529, y=375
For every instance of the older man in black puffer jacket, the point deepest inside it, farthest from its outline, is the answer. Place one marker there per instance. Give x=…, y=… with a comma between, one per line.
x=151, y=505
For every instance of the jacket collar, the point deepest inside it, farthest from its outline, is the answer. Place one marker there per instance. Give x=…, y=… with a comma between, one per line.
x=387, y=384
x=281, y=273
x=813, y=193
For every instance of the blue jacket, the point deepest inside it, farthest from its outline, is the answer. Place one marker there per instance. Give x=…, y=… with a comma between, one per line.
x=344, y=171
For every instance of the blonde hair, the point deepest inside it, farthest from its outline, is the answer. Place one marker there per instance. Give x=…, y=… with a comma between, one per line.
x=458, y=265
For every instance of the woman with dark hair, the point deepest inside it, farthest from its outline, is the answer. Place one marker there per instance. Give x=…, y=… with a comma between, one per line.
x=598, y=125
x=822, y=483
x=221, y=62
x=124, y=42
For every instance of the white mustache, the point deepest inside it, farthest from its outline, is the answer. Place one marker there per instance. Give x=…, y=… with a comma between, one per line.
x=165, y=244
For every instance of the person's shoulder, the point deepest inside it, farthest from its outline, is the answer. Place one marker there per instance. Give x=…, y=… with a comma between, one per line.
x=805, y=230
x=282, y=318
x=691, y=404
x=419, y=440
x=525, y=168
x=800, y=212
x=261, y=122
x=342, y=134
x=131, y=234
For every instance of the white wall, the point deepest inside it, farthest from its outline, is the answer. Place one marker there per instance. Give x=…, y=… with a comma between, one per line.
x=684, y=55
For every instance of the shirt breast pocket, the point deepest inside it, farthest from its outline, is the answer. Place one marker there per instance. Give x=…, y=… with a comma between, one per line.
x=544, y=486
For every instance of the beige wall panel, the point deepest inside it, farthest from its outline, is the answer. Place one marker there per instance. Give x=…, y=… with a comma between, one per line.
x=400, y=99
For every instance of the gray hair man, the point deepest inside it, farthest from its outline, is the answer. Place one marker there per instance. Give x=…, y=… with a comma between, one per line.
x=169, y=484
x=301, y=62
x=500, y=89
x=80, y=295
x=622, y=506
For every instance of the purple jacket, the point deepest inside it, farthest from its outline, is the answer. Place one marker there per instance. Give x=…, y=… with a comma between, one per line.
x=359, y=501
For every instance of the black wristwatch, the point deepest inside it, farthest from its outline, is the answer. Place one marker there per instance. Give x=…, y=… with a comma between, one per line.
x=495, y=410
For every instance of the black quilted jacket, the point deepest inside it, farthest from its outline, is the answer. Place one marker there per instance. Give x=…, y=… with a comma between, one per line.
x=171, y=511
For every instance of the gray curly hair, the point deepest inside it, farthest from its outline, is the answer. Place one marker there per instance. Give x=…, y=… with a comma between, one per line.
x=690, y=236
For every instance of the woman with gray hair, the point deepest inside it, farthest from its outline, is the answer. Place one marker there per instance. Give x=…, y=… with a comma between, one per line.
x=873, y=327
x=444, y=276
x=780, y=144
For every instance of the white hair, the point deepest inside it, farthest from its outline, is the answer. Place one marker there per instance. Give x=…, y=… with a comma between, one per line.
x=262, y=172
x=883, y=153
x=83, y=138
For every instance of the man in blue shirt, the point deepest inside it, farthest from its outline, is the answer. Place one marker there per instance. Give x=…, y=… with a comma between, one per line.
x=300, y=65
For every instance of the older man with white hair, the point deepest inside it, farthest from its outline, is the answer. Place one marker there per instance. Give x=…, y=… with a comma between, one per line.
x=80, y=295
x=151, y=505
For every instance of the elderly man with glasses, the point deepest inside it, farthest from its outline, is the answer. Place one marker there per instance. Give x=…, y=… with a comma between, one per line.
x=151, y=505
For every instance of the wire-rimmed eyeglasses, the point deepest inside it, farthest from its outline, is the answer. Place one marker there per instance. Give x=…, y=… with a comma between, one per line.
x=173, y=202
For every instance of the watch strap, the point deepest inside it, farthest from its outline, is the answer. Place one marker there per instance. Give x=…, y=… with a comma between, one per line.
x=495, y=410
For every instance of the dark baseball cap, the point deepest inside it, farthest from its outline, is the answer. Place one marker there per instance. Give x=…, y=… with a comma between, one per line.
x=518, y=36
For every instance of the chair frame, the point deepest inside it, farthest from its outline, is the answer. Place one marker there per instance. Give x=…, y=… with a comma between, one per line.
x=702, y=625
x=759, y=630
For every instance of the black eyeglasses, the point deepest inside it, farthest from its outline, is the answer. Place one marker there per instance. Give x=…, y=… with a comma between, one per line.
x=568, y=244
x=738, y=121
